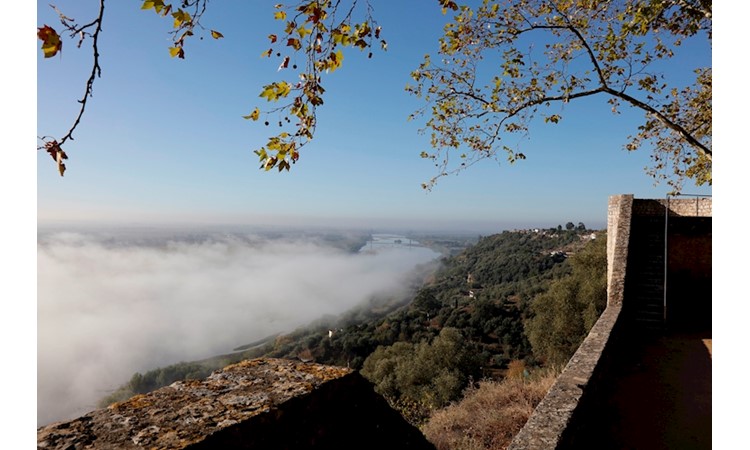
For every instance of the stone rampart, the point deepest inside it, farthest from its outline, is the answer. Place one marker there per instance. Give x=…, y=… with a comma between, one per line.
x=553, y=423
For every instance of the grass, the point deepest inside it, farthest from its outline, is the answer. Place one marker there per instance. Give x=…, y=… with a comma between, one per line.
x=490, y=414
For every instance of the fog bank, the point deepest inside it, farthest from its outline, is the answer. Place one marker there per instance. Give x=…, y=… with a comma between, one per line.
x=107, y=308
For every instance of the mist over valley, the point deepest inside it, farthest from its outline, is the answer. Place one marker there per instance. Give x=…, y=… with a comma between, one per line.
x=111, y=303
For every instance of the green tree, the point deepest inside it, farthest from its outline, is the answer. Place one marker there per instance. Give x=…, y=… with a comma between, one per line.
x=591, y=48
x=425, y=301
x=431, y=374
x=564, y=314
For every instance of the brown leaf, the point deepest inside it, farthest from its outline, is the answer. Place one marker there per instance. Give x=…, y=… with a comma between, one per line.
x=51, y=43
x=57, y=154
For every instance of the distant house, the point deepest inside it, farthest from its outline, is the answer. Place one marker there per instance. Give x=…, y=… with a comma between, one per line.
x=558, y=256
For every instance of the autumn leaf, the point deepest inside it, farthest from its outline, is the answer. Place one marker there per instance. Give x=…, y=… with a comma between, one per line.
x=446, y=4
x=335, y=60
x=157, y=5
x=253, y=115
x=216, y=35
x=51, y=43
x=294, y=42
x=57, y=154
x=177, y=51
x=181, y=17
x=274, y=91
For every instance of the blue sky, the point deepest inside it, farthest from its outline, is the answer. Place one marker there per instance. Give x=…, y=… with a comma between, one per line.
x=163, y=140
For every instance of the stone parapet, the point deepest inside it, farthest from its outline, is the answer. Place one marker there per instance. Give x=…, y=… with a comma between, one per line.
x=688, y=207
x=553, y=423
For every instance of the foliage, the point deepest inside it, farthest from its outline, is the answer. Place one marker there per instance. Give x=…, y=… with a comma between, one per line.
x=564, y=314
x=591, y=47
x=430, y=374
x=185, y=19
x=554, y=52
x=314, y=32
x=489, y=415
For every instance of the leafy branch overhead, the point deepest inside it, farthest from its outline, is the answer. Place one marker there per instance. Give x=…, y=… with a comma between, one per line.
x=500, y=67
x=184, y=25
x=51, y=46
x=310, y=44
x=186, y=18
x=505, y=63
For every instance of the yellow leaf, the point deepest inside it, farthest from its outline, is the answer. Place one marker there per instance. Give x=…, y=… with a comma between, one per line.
x=302, y=31
x=51, y=48
x=274, y=91
x=180, y=16
x=175, y=51
x=253, y=115
x=216, y=34
x=280, y=15
x=268, y=93
x=158, y=6
x=336, y=60
x=284, y=89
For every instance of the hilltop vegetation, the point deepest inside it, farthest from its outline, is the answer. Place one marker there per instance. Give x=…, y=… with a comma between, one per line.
x=471, y=317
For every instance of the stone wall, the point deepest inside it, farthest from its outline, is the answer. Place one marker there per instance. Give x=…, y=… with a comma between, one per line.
x=619, y=217
x=689, y=207
x=256, y=404
x=554, y=421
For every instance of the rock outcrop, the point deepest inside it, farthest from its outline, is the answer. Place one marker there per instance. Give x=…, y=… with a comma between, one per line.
x=262, y=403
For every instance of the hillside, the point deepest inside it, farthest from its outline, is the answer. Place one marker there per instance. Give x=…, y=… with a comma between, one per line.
x=483, y=292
